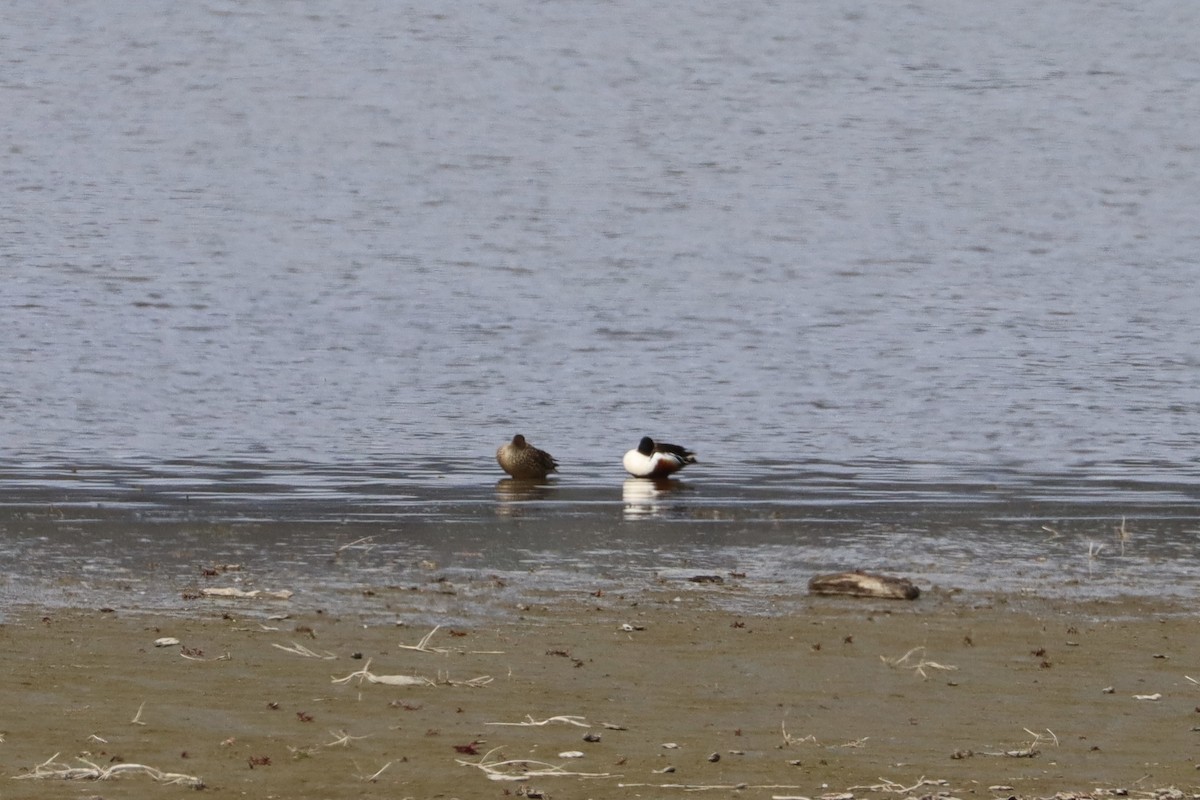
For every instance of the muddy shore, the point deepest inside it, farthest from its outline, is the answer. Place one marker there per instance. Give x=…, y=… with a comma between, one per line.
x=656, y=693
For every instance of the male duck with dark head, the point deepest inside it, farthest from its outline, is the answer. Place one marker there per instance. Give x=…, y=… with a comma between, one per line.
x=524, y=461
x=651, y=459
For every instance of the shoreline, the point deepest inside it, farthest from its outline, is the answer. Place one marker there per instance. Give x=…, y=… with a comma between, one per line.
x=491, y=555
x=957, y=694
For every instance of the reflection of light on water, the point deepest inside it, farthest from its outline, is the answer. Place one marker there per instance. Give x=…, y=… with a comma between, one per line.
x=510, y=493
x=644, y=497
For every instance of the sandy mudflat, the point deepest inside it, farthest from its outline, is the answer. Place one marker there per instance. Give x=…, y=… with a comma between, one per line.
x=796, y=705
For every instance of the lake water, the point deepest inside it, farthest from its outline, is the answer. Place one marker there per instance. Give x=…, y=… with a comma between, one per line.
x=917, y=283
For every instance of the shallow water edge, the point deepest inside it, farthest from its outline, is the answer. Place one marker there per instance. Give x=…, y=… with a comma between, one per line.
x=153, y=537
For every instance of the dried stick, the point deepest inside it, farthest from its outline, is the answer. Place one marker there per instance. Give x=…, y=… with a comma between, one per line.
x=1032, y=749
x=235, y=593
x=423, y=645
x=190, y=657
x=389, y=680
x=697, y=787
x=1093, y=553
x=92, y=772
x=896, y=788
x=474, y=683
x=789, y=740
x=919, y=667
x=855, y=743
x=529, y=720
x=375, y=777
x=496, y=770
x=1123, y=534
x=342, y=738
x=301, y=650
x=364, y=540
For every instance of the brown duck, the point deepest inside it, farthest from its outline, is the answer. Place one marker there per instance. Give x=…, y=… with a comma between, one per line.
x=524, y=461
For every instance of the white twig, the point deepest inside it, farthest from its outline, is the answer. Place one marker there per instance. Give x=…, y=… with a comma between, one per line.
x=364, y=540
x=375, y=777
x=474, y=683
x=50, y=768
x=342, y=738
x=365, y=674
x=920, y=666
x=1032, y=749
x=190, y=657
x=301, y=650
x=896, y=788
x=423, y=645
x=789, y=740
x=700, y=787
x=520, y=769
x=855, y=743
x=529, y=720
x=1093, y=553
x=1123, y=534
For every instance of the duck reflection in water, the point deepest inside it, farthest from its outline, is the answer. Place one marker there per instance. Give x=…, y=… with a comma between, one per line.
x=512, y=492
x=649, y=497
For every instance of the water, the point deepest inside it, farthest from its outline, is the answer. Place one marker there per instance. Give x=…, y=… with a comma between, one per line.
x=932, y=267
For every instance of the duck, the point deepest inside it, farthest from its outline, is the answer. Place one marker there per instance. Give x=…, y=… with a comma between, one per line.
x=523, y=461
x=651, y=459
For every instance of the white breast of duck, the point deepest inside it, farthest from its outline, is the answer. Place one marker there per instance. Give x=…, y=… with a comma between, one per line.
x=652, y=459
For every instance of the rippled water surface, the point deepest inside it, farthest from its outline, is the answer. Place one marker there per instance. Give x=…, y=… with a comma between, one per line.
x=917, y=283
